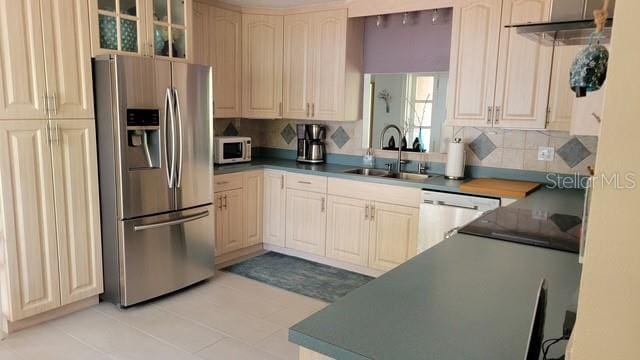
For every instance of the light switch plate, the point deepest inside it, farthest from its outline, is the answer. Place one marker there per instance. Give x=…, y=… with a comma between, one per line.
x=545, y=153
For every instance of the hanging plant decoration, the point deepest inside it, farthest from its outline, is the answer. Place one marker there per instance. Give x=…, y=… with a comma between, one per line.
x=589, y=69
x=386, y=97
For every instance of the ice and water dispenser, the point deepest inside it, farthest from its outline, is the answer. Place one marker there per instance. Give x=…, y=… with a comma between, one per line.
x=143, y=134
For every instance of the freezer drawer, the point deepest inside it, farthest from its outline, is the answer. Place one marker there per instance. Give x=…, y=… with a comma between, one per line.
x=165, y=253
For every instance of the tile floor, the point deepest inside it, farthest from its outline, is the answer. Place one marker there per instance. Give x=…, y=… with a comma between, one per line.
x=229, y=317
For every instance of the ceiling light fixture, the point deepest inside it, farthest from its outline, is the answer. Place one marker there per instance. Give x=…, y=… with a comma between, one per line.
x=405, y=19
x=435, y=15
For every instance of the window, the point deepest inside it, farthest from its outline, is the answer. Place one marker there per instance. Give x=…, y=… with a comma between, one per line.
x=419, y=112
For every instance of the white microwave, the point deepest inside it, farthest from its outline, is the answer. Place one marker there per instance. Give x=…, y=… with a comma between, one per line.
x=232, y=149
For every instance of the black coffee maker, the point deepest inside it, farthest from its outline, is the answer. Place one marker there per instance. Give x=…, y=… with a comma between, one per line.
x=311, y=147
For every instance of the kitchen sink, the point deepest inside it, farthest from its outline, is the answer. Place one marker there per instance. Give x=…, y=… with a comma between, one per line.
x=409, y=176
x=370, y=172
x=388, y=174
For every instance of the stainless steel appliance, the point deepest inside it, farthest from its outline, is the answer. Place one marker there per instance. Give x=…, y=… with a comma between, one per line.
x=570, y=23
x=311, y=147
x=155, y=131
x=442, y=214
x=530, y=227
x=232, y=149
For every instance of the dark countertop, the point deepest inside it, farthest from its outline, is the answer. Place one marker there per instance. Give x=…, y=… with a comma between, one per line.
x=436, y=182
x=466, y=298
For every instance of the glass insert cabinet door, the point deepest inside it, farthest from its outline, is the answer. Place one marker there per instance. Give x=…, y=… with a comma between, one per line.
x=118, y=27
x=170, y=28
x=142, y=27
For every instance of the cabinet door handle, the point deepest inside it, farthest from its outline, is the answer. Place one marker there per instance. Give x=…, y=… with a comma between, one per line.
x=322, y=205
x=280, y=109
x=54, y=98
x=597, y=117
x=225, y=202
x=497, y=119
x=366, y=212
x=304, y=182
x=489, y=114
x=219, y=202
x=282, y=182
x=313, y=109
x=308, y=109
x=222, y=182
x=45, y=103
x=373, y=212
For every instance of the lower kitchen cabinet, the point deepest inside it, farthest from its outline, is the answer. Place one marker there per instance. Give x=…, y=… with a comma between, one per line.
x=253, y=188
x=274, y=213
x=306, y=221
x=348, y=229
x=50, y=229
x=394, y=235
x=229, y=221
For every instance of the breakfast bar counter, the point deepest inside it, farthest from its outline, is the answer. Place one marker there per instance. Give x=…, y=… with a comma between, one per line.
x=468, y=297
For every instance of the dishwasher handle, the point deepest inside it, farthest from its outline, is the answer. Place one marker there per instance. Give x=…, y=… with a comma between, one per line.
x=442, y=203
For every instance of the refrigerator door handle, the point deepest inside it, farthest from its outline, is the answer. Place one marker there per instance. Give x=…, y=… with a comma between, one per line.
x=183, y=220
x=171, y=168
x=180, y=137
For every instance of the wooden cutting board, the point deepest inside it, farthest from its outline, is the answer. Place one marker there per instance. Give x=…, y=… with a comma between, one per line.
x=500, y=188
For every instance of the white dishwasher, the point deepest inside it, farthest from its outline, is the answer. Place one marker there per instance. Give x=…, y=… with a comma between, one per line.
x=442, y=214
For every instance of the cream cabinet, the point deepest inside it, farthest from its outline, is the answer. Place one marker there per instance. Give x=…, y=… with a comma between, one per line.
x=323, y=66
x=254, y=195
x=225, y=52
x=298, y=65
x=306, y=221
x=262, y=52
x=218, y=42
x=348, y=229
x=51, y=241
x=498, y=78
x=229, y=221
x=524, y=69
x=274, y=213
x=394, y=235
x=579, y=116
x=46, y=70
x=142, y=27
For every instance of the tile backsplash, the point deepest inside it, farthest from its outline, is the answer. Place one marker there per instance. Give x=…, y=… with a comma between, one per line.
x=487, y=147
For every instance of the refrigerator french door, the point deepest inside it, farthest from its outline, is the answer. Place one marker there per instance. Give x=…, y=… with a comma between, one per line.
x=155, y=152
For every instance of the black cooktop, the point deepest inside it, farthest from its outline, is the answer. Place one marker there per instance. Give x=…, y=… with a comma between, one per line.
x=537, y=228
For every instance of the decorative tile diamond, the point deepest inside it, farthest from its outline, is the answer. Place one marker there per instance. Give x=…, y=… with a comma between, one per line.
x=288, y=134
x=573, y=152
x=231, y=130
x=482, y=146
x=340, y=137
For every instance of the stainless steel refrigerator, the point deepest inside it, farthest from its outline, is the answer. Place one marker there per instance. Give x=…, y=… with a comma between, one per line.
x=155, y=151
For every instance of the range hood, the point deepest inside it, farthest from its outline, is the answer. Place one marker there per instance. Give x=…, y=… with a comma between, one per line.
x=571, y=23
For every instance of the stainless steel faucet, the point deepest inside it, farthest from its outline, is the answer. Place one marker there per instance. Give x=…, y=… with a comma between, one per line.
x=384, y=131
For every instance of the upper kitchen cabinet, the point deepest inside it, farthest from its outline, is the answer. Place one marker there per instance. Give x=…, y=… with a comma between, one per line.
x=524, y=69
x=262, y=44
x=46, y=70
x=323, y=57
x=142, y=27
x=225, y=54
x=475, y=36
x=498, y=77
x=217, y=41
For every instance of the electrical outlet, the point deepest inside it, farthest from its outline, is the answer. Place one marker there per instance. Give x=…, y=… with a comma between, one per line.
x=545, y=153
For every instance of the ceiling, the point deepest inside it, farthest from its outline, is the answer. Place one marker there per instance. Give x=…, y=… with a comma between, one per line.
x=275, y=3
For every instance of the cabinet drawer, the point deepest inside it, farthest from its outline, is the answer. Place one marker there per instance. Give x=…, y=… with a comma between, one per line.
x=307, y=182
x=227, y=182
x=391, y=194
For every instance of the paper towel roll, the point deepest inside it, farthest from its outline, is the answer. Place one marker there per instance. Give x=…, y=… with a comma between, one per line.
x=455, y=160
